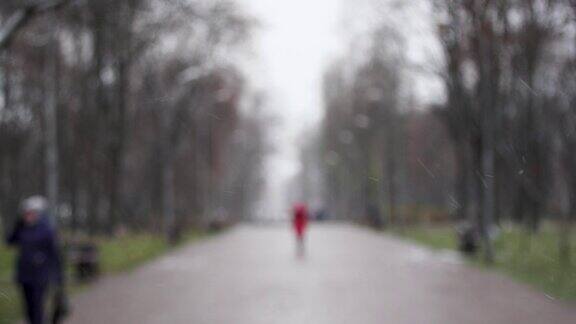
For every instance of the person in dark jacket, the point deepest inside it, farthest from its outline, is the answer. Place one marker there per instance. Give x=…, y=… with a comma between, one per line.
x=38, y=265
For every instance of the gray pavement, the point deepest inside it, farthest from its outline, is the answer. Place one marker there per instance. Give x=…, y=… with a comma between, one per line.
x=251, y=275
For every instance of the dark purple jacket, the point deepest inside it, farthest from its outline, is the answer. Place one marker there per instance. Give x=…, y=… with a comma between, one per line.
x=38, y=256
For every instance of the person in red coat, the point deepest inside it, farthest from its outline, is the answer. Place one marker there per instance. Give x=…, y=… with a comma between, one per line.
x=299, y=223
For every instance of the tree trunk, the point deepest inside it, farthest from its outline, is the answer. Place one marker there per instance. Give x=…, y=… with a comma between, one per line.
x=117, y=147
x=488, y=193
x=51, y=124
x=391, y=177
x=167, y=175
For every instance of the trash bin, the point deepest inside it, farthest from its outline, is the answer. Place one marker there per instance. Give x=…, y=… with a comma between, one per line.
x=86, y=261
x=468, y=239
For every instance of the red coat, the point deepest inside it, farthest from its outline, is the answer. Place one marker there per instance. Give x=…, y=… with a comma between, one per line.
x=300, y=219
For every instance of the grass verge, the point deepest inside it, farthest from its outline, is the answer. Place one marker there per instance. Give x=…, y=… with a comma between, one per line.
x=9, y=297
x=530, y=259
x=117, y=254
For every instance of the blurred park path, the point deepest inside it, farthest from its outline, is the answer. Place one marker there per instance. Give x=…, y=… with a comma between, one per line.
x=251, y=275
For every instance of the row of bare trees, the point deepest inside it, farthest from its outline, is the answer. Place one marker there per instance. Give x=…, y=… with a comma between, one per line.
x=501, y=147
x=382, y=159
x=127, y=113
x=509, y=110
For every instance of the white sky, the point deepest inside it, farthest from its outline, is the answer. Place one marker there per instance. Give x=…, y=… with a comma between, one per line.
x=296, y=41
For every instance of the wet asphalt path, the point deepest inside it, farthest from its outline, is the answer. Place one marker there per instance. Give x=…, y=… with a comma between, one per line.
x=251, y=275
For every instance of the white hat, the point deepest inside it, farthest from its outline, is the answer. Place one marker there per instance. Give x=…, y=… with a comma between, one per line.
x=35, y=204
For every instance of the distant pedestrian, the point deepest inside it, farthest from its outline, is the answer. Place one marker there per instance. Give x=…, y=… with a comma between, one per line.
x=321, y=215
x=299, y=223
x=39, y=264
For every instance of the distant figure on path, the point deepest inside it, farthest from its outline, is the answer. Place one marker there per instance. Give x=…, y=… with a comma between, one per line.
x=39, y=263
x=299, y=222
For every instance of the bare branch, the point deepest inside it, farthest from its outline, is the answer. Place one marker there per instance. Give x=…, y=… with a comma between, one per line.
x=19, y=19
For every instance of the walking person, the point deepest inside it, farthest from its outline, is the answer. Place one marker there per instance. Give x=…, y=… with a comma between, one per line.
x=299, y=224
x=39, y=264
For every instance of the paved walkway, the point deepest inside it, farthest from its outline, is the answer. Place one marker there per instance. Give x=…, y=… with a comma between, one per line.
x=251, y=275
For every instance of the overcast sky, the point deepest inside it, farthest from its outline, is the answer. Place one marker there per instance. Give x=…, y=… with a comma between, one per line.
x=295, y=42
